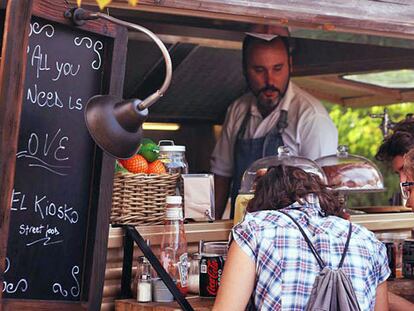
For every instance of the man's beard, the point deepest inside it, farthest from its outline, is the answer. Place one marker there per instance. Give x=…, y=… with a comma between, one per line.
x=267, y=105
x=269, y=102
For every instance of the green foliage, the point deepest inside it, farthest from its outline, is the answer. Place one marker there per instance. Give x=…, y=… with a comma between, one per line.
x=363, y=136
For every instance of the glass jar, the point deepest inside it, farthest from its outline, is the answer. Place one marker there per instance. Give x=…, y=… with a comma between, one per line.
x=173, y=157
x=258, y=168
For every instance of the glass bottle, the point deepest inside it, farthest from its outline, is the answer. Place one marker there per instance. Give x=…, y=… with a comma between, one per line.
x=144, y=287
x=174, y=257
x=143, y=271
x=194, y=274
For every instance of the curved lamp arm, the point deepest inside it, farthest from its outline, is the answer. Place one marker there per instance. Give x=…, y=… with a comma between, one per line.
x=80, y=15
x=116, y=124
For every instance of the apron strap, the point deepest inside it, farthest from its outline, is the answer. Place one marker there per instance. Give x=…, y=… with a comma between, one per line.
x=282, y=123
x=276, y=131
x=243, y=126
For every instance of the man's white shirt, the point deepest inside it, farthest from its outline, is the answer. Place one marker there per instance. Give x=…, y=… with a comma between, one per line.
x=310, y=132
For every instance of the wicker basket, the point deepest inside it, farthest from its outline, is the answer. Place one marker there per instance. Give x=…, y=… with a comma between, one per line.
x=139, y=199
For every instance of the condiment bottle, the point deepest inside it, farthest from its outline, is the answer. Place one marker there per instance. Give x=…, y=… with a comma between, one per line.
x=174, y=257
x=142, y=282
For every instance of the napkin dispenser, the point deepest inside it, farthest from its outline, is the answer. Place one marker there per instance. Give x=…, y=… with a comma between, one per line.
x=199, y=197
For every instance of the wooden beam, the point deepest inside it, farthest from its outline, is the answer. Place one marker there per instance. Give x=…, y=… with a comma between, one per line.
x=336, y=81
x=314, y=57
x=321, y=95
x=369, y=100
x=393, y=18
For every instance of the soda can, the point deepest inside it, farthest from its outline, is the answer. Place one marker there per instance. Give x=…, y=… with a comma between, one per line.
x=211, y=269
x=408, y=259
x=391, y=254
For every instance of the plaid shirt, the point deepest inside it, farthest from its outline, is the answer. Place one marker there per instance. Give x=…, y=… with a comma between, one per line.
x=285, y=267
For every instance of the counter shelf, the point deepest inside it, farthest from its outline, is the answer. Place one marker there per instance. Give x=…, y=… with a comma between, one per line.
x=392, y=224
x=198, y=303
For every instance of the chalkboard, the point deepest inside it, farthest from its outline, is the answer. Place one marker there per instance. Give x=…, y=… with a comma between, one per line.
x=55, y=183
x=51, y=199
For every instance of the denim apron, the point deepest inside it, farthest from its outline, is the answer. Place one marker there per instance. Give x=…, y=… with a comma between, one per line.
x=246, y=151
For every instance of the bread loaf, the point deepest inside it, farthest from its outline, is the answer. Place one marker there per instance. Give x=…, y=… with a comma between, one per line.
x=359, y=175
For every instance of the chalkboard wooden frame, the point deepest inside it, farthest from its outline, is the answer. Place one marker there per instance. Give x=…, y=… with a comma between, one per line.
x=103, y=166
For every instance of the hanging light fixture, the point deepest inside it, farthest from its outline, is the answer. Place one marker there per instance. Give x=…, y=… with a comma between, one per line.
x=116, y=124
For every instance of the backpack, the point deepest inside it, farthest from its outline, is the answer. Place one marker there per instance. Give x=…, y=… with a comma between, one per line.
x=332, y=290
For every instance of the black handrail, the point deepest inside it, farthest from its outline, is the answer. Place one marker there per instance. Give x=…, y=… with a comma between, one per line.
x=131, y=232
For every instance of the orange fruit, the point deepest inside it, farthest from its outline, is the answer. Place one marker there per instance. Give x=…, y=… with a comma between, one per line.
x=135, y=164
x=156, y=167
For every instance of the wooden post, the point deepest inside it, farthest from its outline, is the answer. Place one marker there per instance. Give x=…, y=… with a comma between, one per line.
x=12, y=75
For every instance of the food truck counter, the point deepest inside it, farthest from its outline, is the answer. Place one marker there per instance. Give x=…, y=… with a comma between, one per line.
x=388, y=226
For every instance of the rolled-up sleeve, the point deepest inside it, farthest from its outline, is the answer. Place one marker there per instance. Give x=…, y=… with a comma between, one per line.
x=221, y=161
x=318, y=137
x=382, y=268
x=244, y=234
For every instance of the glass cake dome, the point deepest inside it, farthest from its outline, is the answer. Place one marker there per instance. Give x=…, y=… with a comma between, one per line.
x=259, y=168
x=351, y=173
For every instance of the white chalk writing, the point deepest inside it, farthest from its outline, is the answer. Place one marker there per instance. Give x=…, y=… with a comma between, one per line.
x=9, y=287
x=36, y=29
x=39, y=60
x=67, y=69
x=97, y=46
x=18, y=199
x=49, y=99
x=74, y=291
x=48, y=209
x=48, y=232
x=39, y=156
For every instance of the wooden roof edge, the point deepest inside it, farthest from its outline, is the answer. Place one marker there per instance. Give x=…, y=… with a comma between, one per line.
x=369, y=17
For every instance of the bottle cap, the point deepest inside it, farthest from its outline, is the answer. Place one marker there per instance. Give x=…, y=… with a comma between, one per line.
x=174, y=214
x=173, y=199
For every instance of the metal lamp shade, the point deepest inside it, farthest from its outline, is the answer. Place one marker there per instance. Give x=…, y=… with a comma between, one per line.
x=115, y=125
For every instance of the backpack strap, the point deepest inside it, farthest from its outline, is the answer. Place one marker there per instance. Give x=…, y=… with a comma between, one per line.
x=308, y=241
x=346, y=246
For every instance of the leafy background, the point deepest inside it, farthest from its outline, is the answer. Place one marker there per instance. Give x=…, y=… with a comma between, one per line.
x=363, y=136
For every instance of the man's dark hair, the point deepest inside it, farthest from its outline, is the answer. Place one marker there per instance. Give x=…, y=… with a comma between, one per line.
x=249, y=40
x=399, y=142
x=284, y=185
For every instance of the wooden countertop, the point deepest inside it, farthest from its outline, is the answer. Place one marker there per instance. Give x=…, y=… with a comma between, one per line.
x=219, y=230
x=400, y=287
x=198, y=303
x=385, y=221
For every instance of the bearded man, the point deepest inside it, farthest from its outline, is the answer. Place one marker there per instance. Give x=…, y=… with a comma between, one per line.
x=275, y=112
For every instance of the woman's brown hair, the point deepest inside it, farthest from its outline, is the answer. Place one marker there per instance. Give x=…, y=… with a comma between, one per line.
x=283, y=185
